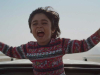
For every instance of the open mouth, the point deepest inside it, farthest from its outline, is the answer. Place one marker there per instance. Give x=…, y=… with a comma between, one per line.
x=40, y=33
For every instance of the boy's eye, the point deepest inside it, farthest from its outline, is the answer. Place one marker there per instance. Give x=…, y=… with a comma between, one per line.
x=35, y=24
x=44, y=23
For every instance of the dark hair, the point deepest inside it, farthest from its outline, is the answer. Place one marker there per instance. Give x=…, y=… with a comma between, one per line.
x=52, y=16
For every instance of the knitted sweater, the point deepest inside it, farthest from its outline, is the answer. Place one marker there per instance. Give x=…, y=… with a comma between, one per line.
x=47, y=60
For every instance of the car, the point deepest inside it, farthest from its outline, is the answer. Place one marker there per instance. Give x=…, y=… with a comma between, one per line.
x=71, y=67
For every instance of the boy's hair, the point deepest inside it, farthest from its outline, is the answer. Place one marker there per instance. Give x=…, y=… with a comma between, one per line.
x=52, y=16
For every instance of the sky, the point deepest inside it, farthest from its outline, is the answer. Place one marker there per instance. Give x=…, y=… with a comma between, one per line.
x=78, y=19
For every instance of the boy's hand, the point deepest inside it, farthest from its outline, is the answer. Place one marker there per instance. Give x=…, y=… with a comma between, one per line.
x=99, y=31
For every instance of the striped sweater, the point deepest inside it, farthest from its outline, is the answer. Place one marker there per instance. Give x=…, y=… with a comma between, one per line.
x=47, y=60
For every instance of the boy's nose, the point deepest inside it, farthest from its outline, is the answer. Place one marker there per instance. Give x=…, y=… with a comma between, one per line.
x=39, y=25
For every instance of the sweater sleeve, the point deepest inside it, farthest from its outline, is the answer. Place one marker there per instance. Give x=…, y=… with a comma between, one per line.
x=15, y=52
x=76, y=46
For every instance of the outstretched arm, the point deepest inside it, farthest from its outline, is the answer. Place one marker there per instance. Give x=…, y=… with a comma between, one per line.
x=75, y=46
x=15, y=52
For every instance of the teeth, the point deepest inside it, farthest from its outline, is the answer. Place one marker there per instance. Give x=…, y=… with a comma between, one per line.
x=39, y=31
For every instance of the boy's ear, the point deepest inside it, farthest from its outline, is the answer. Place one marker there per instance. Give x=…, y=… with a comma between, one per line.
x=53, y=30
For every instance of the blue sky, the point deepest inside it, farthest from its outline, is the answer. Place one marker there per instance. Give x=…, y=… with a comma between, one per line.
x=78, y=19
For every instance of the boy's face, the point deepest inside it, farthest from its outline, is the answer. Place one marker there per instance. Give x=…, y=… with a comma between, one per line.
x=41, y=28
